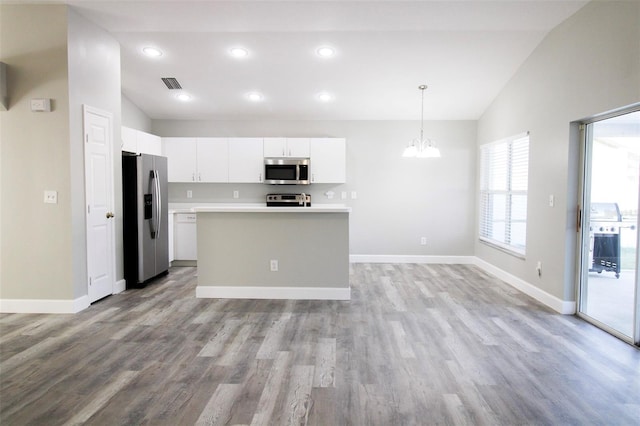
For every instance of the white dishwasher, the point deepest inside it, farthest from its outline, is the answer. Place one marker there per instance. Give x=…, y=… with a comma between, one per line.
x=185, y=242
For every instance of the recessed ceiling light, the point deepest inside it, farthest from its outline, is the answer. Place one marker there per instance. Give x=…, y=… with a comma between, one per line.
x=255, y=96
x=325, y=51
x=184, y=97
x=152, y=51
x=239, y=52
x=324, y=97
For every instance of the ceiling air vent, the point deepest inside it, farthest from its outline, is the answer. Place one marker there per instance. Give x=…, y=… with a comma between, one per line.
x=171, y=83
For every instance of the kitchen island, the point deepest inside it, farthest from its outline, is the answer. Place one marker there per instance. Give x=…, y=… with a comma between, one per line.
x=250, y=251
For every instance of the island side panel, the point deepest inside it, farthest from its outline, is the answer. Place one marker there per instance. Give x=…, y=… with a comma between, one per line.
x=235, y=250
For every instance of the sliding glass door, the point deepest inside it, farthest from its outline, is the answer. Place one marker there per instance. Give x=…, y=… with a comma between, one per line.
x=609, y=234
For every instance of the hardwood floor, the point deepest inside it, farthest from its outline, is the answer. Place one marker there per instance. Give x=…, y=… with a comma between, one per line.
x=416, y=345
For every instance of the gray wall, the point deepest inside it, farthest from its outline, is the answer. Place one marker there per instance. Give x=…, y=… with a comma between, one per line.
x=34, y=155
x=398, y=200
x=587, y=65
x=51, y=52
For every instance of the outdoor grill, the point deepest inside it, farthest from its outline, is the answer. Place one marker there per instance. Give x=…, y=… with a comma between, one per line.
x=605, y=222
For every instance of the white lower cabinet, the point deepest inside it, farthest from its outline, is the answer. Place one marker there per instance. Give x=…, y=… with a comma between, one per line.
x=185, y=242
x=170, y=236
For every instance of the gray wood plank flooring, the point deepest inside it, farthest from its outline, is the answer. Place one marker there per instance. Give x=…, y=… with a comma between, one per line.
x=416, y=345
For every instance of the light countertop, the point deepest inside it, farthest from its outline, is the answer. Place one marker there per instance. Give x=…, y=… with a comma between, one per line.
x=262, y=208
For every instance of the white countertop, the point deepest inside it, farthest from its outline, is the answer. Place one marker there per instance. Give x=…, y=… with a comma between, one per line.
x=262, y=208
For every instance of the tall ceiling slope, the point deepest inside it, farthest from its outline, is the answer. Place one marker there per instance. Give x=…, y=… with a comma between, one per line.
x=465, y=51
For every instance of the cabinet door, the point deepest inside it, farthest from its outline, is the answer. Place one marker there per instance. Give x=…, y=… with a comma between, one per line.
x=181, y=159
x=129, y=139
x=185, y=236
x=246, y=160
x=213, y=160
x=275, y=147
x=298, y=147
x=328, y=160
x=149, y=144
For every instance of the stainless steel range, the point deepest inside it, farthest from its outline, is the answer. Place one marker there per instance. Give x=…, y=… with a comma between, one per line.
x=605, y=222
x=289, y=200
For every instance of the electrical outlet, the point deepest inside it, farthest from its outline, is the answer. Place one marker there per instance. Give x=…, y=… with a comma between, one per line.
x=343, y=195
x=51, y=197
x=236, y=194
x=273, y=264
x=354, y=195
x=423, y=241
x=552, y=200
x=189, y=193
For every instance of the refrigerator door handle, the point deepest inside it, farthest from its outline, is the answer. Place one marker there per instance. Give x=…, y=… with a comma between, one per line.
x=158, y=202
x=153, y=188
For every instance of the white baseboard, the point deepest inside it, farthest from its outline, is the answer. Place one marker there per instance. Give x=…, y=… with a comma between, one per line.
x=119, y=286
x=297, y=293
x=41, y=306
x=561, y=306
x=379, y=258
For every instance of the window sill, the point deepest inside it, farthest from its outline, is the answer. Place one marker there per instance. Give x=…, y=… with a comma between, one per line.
x=503, y=249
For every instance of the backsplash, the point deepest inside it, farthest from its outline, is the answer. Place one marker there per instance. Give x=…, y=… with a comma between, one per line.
x=249, y=192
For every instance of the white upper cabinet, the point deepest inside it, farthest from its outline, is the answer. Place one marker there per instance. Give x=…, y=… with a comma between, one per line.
x=246, y=160
x=328, y=160
x=241, y=160
x=149, y=144
x=129, y=139
x=286, y=147
x=181, y=156
x=213, y=160
x=140, y=142
x=197, y=159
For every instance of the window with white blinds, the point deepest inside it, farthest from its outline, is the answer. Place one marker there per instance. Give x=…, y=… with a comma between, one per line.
x=504, y=169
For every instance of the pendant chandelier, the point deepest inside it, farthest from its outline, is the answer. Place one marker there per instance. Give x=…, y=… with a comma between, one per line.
x=421, y=148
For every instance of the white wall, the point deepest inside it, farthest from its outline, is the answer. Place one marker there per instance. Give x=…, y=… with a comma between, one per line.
x=134, y=117
x=588, y=65
x=94, y=80
x=398, y=200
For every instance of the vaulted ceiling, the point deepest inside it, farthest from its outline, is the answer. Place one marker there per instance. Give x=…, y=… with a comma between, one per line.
x=465, y=51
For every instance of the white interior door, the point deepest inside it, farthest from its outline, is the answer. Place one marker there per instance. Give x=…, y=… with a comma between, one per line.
x=98, y=137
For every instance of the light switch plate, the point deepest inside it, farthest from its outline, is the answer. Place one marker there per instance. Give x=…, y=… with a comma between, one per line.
x=51, y=197
x=41, y=105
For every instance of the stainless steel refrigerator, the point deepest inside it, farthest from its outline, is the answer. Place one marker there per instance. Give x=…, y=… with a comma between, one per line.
x=145, y=218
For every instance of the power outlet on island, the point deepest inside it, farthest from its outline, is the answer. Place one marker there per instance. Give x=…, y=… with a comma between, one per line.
x=423, y=241
x=273, y=265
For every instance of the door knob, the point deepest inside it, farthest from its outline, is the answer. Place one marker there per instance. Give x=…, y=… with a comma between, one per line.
x=109, y=215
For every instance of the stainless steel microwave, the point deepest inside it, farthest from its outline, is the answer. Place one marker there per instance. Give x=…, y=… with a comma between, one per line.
x=286, y=171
